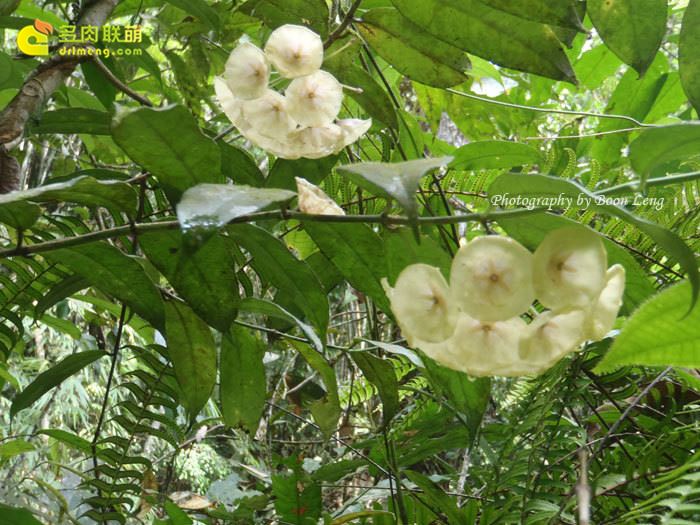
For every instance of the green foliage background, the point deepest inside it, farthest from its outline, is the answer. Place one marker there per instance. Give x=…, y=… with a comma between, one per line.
x=249, y=370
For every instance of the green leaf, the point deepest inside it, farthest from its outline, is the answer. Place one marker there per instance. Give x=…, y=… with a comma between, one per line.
x=214, y=205
x=494, y=154
x=199, y=9
x=436, y=497
x=242, y=386
x=468, y=396
x=632, y=29
x=7, y=6
x=192, y=351
x=531, y=230
x=205, y=277
x=17, y=516
x=18, y=214
x=117, y=274
x=72, y=440
x=293, y=278
x=491, y=34
x=15, y=447
x=402, y=249
x=284, y=171
x=176, y=514
x=275, y=13
x=398, y=180
x=357, y=252
x=545, y=186
x=661, y=332
x=411, y=50
x=239, y=166
x=168, y=143
x=560, y=13
x=656, y=147
x=53, y=377
x=689, y=53
x=296, y=502
x=73, y=120
x=263, y=307
x=381, y=374
x=87, y=191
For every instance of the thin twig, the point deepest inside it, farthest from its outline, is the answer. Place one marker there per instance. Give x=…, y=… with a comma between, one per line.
x=116, y=82
x=347, y=20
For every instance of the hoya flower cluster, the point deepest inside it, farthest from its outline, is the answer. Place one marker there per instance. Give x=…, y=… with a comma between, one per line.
x=302, y=122
x=474, y=324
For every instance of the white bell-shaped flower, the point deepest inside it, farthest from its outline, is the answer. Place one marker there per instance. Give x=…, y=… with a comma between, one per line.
x=247, y=71
x=269, y=115
x=315, y=99
x=605, y=309
x=569, y=268
x=314, y=200
x=318, y=141
x=550, y=337
x=486, y=349
x=420, y=303
x=232, y=106
x=438, y=352
x=491, y=278
x=353, y=129
x=294, y=50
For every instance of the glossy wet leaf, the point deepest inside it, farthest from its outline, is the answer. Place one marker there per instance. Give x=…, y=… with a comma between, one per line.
x=214, y=205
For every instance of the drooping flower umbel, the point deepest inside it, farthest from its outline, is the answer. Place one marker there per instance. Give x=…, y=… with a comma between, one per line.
x=301, y=122
x=475, y=324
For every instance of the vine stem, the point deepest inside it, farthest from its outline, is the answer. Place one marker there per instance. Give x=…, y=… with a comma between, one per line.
x=547, y=110
x=139, y=228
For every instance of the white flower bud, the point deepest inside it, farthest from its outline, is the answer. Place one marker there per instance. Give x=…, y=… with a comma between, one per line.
x=605, y=309
x=353, y=129
x=420, y=303
x=550, y=337
x=294, y=50
x=313, y=200
x=269, y=116
x=569, y=268
x=315, y=100
x=232, y=106
x=491, y=278
x=317, y=142
x=486, y=349
x=247, y=71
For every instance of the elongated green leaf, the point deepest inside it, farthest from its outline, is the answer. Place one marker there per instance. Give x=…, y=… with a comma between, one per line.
x=398, y=180
x=656, y=147
x=199, y=9
x=659, y=333
x=283, y=171
x=18, y=214
x=436, y=497
x=205, y=277
x=192, y=351
x=357, y=252
x=402, y=249
x=275, y=13
x=72, y=440
x=242, y=387
x=17, y=516
x=493, y=154
x=73, y=120
x=115, y=195
x=468, y=396
x=689, y=53
x=632, y=29
x=7, y=6
x=411, y=50
x=296, y=502
x=239, y=166
x=261, y=306
x=109, y=270
x=491, y=34
x=53, y=377
x=275, y=264
x=531, y=230
x=381, y=374
x=545, y=186
x=15, y=447
x=168, y=143
x=213, y=205
x=560, y=13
